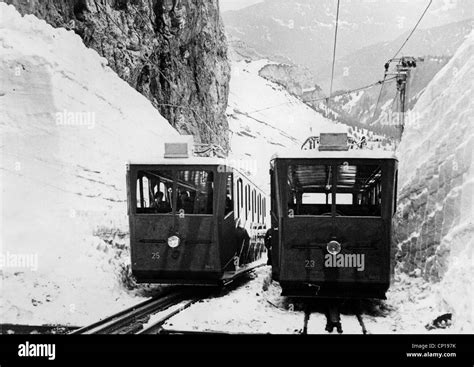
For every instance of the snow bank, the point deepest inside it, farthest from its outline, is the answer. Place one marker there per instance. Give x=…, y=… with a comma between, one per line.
x=435, y=226
x=69, y=125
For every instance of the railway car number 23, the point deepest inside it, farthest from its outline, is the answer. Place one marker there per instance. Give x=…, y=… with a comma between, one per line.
x=155, y=255
x=309, y=263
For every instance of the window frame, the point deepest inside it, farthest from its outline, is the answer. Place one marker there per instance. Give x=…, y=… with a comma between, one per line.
x=334, y=163
x=175, y=169
x=259, y=207
x=247, y=189
x=253, y=205
x=239, y=202
x=229, y=178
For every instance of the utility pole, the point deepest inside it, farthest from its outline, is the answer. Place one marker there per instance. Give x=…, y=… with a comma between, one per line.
x=402, y=75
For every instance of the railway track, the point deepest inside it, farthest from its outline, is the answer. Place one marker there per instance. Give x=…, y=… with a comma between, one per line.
x=131, y=320
x=156, y=327
x=303, y=331
x=316, y=320
x=334, y=320
x=150, y=316
x=139, y=319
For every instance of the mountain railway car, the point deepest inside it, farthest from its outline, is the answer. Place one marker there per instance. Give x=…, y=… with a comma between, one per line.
x=194, y=221
x=331, y=212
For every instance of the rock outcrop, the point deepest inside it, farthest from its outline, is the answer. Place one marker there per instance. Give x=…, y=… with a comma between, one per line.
x=299, y=81
x=172, y=51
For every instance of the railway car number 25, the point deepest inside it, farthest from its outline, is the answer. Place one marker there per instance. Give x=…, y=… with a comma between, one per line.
x=155, y=255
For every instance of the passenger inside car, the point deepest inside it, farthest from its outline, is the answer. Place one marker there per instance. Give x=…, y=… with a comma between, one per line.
x=159, y=204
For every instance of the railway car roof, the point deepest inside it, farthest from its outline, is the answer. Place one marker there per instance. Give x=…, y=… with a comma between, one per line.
x=350, y=154
x=191, y=161
x=199, y=161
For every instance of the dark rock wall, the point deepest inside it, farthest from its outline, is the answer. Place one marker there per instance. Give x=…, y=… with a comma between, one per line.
x=174, y=52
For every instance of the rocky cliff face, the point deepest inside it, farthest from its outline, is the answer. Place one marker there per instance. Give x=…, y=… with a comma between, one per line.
x=172, y=51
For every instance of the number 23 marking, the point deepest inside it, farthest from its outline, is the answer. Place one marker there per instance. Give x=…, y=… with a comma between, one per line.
x=309, y=263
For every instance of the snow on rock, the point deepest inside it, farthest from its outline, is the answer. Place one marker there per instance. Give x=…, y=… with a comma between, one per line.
x=264, y=119
x=69, y=125
x=435, y=223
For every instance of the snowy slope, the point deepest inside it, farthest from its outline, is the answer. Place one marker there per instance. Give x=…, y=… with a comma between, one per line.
x=264, y=119
x=435, y=226
x=69, y=125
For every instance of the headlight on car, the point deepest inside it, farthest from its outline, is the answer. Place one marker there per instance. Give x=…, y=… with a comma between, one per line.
x=333, y=247
x=173, y=241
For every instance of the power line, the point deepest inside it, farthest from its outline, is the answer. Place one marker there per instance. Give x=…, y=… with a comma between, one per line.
x=325, y=98
x=413, y=30
x=387, y=65
x=378, y=98
x=334, y=50
x=351, y=91
x=382, y=82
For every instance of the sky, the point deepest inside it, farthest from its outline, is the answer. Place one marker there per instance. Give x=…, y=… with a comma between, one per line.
x=237, y=4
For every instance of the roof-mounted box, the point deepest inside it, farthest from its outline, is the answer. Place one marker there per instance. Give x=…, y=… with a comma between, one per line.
x=333, y=142
x=180, y=149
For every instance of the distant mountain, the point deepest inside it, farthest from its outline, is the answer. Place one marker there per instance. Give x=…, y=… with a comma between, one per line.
x=303, y=31
x=358, y=109
x=226, y=5
x=366, y=65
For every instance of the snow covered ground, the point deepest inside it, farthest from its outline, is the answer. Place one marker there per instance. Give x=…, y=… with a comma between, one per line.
x=69, y=125
x=243, y=310
x=257, y=307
